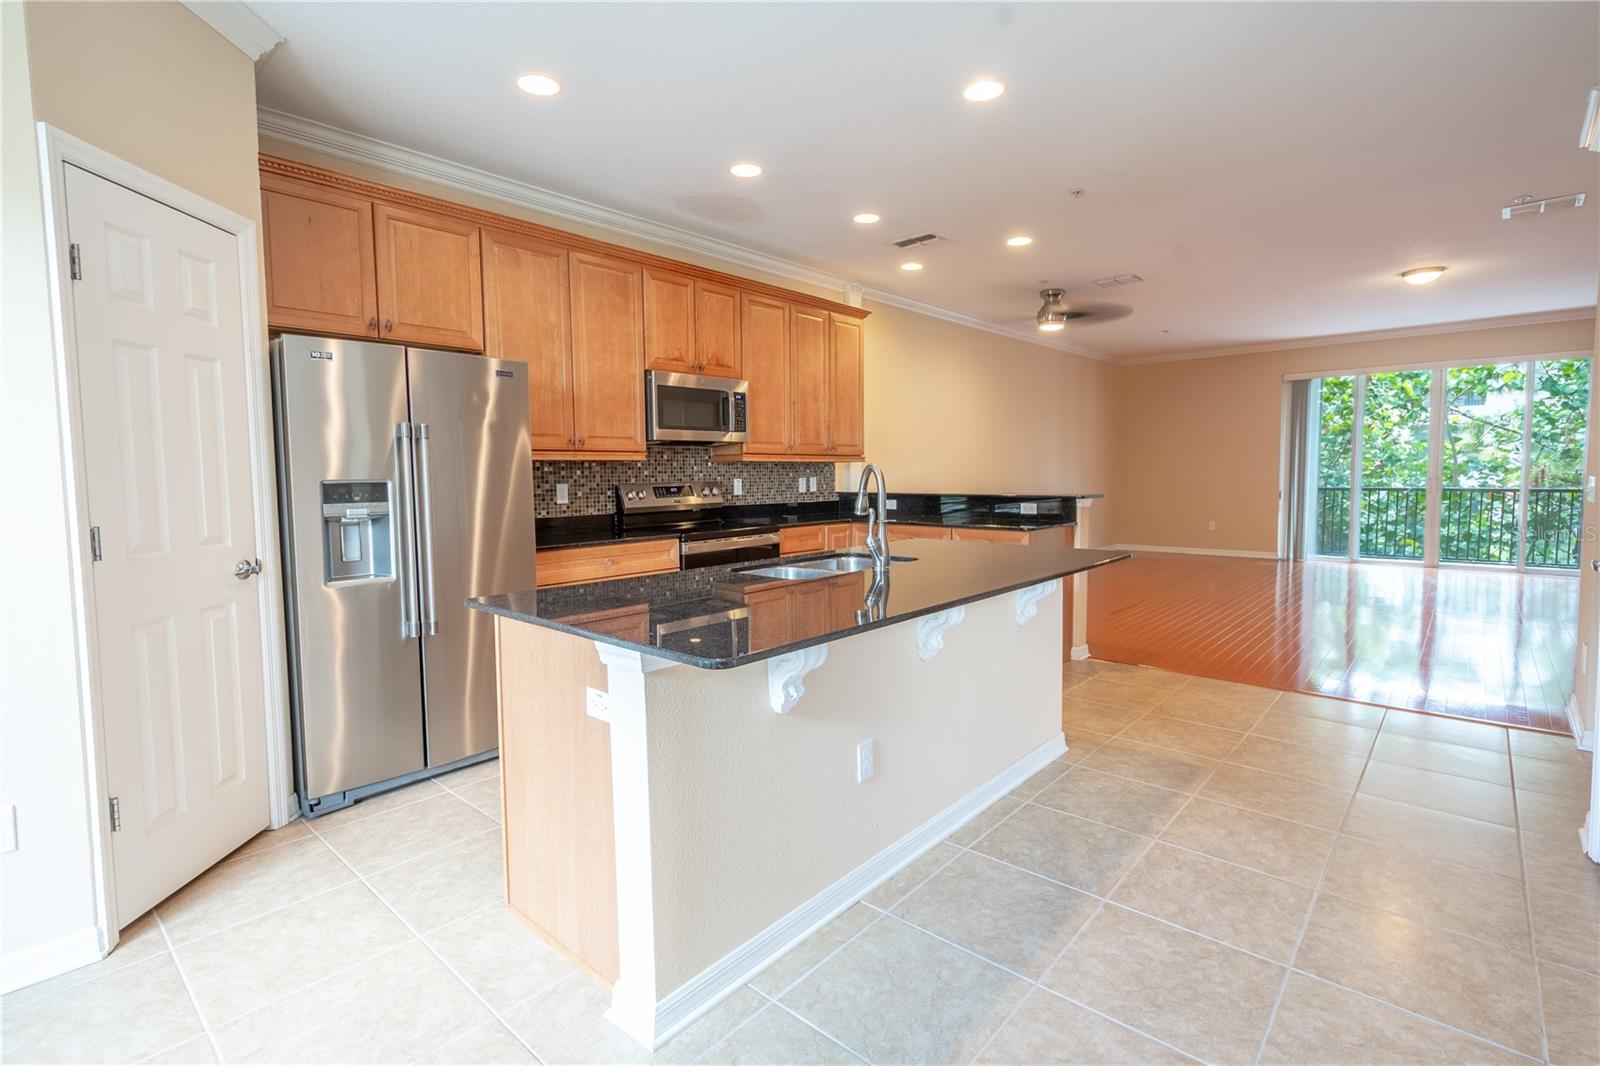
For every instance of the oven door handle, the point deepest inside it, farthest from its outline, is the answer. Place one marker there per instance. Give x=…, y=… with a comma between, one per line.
x=700, y=547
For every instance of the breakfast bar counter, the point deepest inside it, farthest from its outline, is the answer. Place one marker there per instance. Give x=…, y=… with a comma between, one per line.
x=700, y=768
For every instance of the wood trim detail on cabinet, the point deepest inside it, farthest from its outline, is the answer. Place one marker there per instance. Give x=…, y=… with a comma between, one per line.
x=846, y=389
x=603, y=562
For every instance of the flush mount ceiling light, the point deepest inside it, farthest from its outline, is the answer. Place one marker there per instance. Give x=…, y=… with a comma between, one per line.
x=911, y=265
x=1422, y=275
x=1589, y=136
x=1019, y=241
x=1052, y=316
x=983, y=90
x=745, y=170
x=865, y=218
x=539, y=85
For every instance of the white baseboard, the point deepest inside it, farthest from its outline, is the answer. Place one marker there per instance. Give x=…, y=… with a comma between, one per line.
x=1231, y=553
x=1583, y=738
x=18, y=969
x=1080, y=652
x=727, y=975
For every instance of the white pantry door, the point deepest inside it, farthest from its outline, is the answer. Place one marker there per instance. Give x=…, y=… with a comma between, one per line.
x=161, y=365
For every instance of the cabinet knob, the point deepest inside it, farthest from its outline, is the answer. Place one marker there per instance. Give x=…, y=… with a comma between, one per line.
x=582, y=441
x=388, y=325
x=372, y=326
x=611, y=562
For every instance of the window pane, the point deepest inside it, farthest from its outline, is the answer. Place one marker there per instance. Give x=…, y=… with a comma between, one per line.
x=1394, y=464
x=1333, y=408
x=1482, y=463
x=1555, y=461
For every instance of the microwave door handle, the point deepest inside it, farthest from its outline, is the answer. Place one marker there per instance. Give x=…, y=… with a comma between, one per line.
x=727, y=412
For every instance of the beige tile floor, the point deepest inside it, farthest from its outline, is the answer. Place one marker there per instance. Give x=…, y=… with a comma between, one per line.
x=1213, y=872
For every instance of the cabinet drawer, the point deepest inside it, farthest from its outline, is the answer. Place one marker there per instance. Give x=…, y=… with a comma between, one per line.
x=602, y=562
x=898, y=531
x=803, y=540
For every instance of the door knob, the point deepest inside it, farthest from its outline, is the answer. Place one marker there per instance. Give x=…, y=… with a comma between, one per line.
x=245, y=569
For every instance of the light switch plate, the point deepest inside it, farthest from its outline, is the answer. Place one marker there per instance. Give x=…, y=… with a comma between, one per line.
x=865, y=761
x=1030, y=508
x=561, y=492
x=800, y=484
x=738, y=486
x=889, y=504
x=811, y=483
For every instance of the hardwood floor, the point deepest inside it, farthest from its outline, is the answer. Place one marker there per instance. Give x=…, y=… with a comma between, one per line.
x=1477, y=644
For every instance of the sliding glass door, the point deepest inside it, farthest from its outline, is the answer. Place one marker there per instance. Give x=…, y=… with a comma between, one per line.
x=1480, y=464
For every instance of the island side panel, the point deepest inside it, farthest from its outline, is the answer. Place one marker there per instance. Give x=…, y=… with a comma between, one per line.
x=555, y=766
x=754, y=813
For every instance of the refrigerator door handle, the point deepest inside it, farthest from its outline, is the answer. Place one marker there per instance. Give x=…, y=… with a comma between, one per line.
x=409, y=629
x=430, y=625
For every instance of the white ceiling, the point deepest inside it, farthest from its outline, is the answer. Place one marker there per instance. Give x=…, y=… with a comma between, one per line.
x=1268, y=168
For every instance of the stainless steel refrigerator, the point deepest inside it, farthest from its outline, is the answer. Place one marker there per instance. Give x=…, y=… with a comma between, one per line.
x=405, y=486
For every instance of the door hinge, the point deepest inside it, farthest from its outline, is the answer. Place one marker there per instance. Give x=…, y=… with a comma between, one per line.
x=75, y=261
x=94, y=543
x=116, y=814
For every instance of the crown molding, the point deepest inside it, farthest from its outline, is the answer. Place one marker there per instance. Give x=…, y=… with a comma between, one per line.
x=400, y=160
x=244, y=29
x=905, y=303
x=1570, y=314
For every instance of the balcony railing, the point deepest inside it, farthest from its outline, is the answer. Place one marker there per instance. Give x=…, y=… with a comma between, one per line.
x=1476, y=525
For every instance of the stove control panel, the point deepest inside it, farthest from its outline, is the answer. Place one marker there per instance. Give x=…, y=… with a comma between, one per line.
x=681, y=496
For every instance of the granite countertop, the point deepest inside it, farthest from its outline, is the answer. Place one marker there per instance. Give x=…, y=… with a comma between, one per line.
x=723, y=616
x=588, y=530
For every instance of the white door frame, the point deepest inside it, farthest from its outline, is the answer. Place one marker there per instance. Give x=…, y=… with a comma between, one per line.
x=56, y=150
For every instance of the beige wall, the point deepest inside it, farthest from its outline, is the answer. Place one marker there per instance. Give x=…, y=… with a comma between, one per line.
x=153, y=84
x=1200, y=440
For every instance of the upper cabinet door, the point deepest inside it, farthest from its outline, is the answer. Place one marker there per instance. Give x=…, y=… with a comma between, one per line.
x=321, y=275
x=607, y=354
x=716, y=329
x=809, y=379
x=527, y=316
x=764, y=328
x=430, y=286
x=845, y=391
x=669, y=321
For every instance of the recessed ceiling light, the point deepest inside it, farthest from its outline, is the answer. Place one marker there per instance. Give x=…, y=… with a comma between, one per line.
x=981, y=92
x=745, y=170
x=866, y=218
x=538, y=85
x=1019, y=241
x=1422, y=275
x=912, y=265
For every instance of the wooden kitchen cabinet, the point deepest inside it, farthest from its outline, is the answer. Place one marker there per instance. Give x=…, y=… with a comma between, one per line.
x=716, y=330
x=902, y=531
x=803, y=540
x=321, y=267
x=607, y=356
x=764, y=325
x=846, y=396
x=603, y=562
x=808, y=380
x=528, y=317
x=847, y=535
x=994, y=536
x=430, y=285
x=669, y=312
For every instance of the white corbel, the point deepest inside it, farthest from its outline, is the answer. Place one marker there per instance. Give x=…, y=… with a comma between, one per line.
x=931, y=629
x=1028, y=599
x=786, y=676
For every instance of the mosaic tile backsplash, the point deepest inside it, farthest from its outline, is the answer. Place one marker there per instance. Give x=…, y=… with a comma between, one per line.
x=589, y=482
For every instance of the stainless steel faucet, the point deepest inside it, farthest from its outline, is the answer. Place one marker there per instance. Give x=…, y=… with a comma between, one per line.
x=877, y=536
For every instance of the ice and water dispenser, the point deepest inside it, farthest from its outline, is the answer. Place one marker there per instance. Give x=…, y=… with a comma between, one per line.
x=356, y=541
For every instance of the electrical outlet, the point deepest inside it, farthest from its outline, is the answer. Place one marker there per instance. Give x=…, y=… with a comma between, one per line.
x=1212, y=525
x=1030, y=508
x=889, y=504
x=8, y=828
x=865, y=761
x=738, y=486
x=598, y=704
x=561, y=492
x=811, y=483
x=800, y=484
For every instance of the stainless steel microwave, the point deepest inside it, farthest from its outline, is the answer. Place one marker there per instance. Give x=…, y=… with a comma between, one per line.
x=694, y=407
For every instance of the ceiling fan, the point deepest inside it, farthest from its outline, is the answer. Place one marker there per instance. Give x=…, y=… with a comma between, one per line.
x=1054, y=314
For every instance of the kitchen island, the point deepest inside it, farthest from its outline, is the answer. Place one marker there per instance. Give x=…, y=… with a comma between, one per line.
x=702, y=767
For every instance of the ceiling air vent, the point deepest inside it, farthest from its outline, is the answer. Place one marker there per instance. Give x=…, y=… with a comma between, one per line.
x=1541, y=207
x=914, y=242
x=1118, y=279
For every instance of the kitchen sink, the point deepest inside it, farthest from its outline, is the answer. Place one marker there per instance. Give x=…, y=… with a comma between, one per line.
x=827, y=566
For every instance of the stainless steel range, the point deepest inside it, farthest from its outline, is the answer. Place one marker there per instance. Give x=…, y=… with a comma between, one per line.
x=696, y=512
